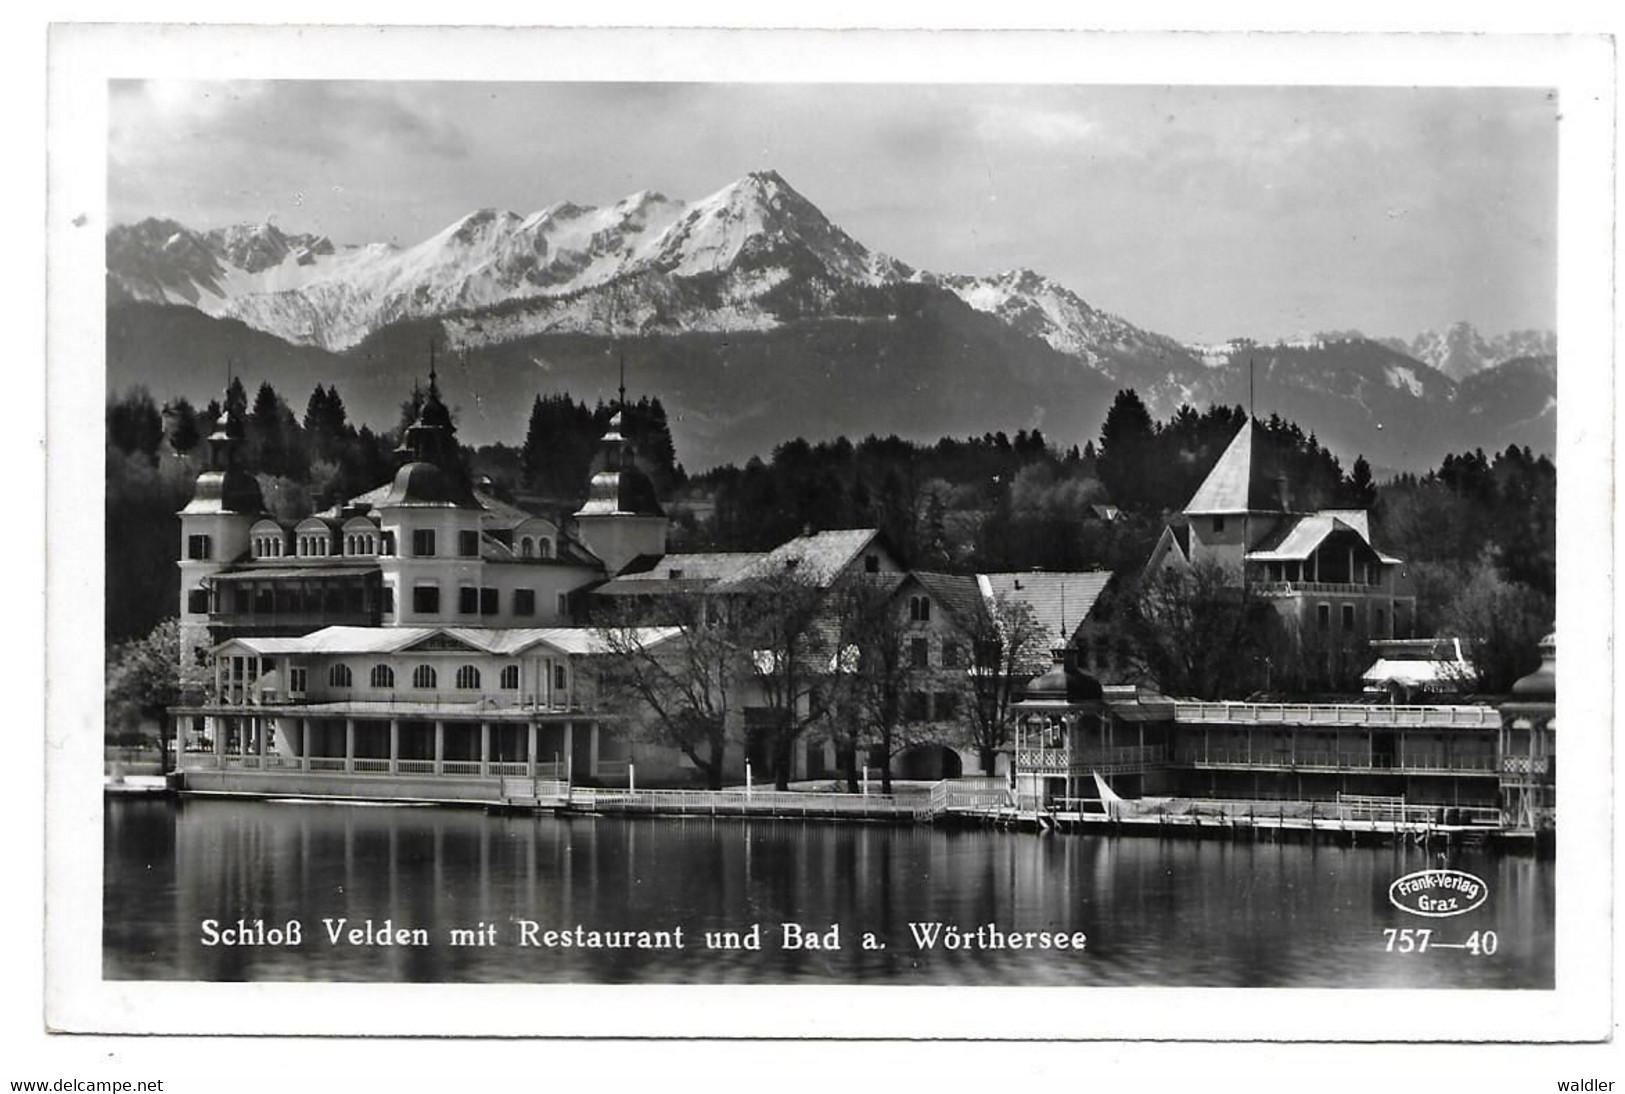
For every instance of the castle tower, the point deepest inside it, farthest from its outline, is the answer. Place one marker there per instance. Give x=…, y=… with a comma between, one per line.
x=621, y=519
x=214, y=528
x=430, y=522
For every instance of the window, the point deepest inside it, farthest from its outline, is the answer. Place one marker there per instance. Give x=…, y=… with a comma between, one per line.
x=383, y=676
x=389, y=600
x=947, y=706
x=544, y=548
x=919, y=609
x=524, y=602
x=488, y=602
x=1323, y=616
x=423, y=676
x=558, y=678
x=426, y=599
x=468, y=544
x=919, y=653
x=297, y=679
x=564, y=604
x=338, y=676
x=1348, y=617
x=950, y=655
x=871, y=564
x=468, y=677
x=198, y=547
x=423, y=542
x=386, y=543
x=1382, y=619
x=527, y=547
x=468, y=600
x=917, y=706
x=510, y=677
x=1218, y=525
x=197, y=602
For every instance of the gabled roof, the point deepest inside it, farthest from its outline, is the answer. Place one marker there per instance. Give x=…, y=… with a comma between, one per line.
x=820, y=557
x=1060, y=601
x=1299, y=536
x=959, y=594
x=678, y=573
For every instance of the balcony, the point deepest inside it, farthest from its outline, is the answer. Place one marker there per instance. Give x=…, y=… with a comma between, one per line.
x=1337, y=714
x=1316, y=760
x=1107, y=761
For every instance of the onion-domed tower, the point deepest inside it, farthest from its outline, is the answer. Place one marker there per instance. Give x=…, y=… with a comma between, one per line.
x=214, y=527
x=621, y=519
x=430, y=522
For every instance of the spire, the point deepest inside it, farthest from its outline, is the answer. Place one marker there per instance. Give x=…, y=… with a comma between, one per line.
x=224, y=486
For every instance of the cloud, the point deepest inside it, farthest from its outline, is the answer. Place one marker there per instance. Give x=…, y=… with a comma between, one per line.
x=1048, y=127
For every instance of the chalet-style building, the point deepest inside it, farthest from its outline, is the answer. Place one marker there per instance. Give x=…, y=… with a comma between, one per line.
x=1332, y=590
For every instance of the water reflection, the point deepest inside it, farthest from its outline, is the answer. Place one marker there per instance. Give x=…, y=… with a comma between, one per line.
x=1163, y=912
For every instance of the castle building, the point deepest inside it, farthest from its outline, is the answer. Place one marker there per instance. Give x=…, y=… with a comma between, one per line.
x=421, y=629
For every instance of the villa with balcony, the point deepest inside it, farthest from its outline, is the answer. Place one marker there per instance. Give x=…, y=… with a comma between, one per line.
x=1331, y=588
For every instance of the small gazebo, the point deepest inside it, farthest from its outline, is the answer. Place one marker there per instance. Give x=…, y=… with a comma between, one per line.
x=1060, y=720
x=1529, y=746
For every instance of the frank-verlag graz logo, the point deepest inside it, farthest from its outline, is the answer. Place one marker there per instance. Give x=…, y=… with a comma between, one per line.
x=1438, y=893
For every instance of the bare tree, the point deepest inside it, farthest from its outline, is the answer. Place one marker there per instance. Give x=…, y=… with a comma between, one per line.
x=1197, y=632
x=879, y=684
x=791, y=643
x=1004, y=643
x=677, y=688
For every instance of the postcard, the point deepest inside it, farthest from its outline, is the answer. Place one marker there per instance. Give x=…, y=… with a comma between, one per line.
x=1026, y=535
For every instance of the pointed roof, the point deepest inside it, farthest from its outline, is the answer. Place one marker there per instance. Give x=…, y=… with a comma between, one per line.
x=1232, y=486
x=618, y=487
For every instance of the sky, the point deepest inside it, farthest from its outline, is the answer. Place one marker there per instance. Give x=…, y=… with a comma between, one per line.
x=1200, y=213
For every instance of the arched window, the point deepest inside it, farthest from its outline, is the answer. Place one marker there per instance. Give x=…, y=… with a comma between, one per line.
x=510, y=677
x=338, y=676
x=544, y=548
x=371, y=549
x=526, y=547
x=919, y=609
x=383, y=676
x=423, y=676
x=468, y=677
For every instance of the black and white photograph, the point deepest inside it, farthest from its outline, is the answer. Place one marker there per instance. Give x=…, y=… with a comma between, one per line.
x=995, y=512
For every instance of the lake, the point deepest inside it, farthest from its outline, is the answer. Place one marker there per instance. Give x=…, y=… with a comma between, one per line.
x=549, y=899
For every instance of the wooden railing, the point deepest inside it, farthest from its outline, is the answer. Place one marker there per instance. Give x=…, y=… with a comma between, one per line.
x=1107, y=761
x=1335, y=714
x=779, y=803
x=1426, y=763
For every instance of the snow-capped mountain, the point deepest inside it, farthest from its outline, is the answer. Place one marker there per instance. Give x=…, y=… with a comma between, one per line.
x=751, y=236
x=1460, y=350
x=1036, y=306
x=764, y=319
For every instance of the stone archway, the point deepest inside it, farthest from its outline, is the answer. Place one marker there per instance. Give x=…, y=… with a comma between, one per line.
x=928, y=762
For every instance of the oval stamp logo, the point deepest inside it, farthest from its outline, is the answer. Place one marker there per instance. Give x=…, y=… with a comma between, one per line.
x=1438, y=893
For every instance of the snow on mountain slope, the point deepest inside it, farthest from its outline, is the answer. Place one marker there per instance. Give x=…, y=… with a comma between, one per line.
x=758, y=231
